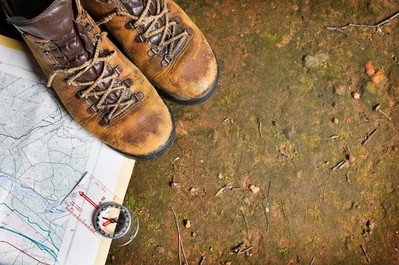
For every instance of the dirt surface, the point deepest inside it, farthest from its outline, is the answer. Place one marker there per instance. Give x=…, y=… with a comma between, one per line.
x=294, y=100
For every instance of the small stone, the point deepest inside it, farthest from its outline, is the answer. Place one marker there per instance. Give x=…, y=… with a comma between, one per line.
x=340, y=90
x=350, y=158
x=193, y=234
x=159, y=248
x=187, y=223
x=247, y=56
x=220, y=176
x=254, y=189
x=379, y=76
x=289, y=133
x=227, y=263
x=315, y=61
x=369, y=68
x=267, y=209
x=335, y=120
x=193, y=191
x=113, y=258
x=356, y=95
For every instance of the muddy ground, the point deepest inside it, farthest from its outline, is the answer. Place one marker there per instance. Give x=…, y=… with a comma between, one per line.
x=294, y=100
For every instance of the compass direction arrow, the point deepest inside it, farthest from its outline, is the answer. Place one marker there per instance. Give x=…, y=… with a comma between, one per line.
x=81, y=193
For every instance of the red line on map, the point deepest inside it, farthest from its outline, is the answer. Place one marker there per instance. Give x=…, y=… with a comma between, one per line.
x=81, y=193
x=41, y=262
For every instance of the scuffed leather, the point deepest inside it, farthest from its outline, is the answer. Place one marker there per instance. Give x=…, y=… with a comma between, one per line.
x=60, y=38
x=191, y=75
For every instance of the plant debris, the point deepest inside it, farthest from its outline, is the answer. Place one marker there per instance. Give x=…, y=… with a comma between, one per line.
x=227, y=188
x=241, y=249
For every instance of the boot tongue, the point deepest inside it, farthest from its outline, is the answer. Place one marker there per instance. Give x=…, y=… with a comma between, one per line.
x=55, y=23
x=136, y=7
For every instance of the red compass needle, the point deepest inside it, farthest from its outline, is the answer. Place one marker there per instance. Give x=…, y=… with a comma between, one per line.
x=107, y=223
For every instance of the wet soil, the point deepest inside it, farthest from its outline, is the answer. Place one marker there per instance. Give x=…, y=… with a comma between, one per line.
x=283, y=118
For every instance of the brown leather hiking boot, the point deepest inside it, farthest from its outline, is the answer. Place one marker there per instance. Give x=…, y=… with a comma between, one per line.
x=163, y=42
x=100, y=88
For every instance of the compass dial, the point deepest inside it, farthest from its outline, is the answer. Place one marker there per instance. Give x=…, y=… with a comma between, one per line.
x=112, y=220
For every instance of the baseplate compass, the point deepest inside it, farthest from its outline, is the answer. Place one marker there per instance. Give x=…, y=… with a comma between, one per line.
x=115, y=221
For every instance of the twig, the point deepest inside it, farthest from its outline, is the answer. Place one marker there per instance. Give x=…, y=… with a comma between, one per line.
x=368, y=137
x=332, y=137
x=181, y=247
x=340, y=165
x=268, y=190
x=265, y=204
x=260, y=128
x=246, y=223
x=227, y=188
x=202, y=260
x=365, y=253
x=311, y=263
x=342, y=29
x=245, y=250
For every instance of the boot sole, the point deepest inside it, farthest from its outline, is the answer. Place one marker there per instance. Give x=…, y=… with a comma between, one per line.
x=195, y=101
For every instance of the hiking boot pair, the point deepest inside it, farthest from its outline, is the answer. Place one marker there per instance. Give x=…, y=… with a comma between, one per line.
x=109, y=94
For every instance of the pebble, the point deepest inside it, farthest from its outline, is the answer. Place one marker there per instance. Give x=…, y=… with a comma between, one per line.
x=289, y=133
x=335, y=120
x=254, y=189
x=350, y=158
x=356, y=95
x=340, y=90
x=193, y=191
x=315, y=61
x=159, y=248
x=187, y=223
x=378, y=77
x=220, y=176
x=369, y=68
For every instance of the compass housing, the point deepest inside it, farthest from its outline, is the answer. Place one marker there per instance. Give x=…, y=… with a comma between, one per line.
x=112, y=220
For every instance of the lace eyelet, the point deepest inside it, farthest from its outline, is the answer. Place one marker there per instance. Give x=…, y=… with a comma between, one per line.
x=92, y=109
x=117, y=69
x=128, y=82
x=189, y=31
x=138, y=96
x=98, y=37
x=104, y=122
x=129, y=25
x=89, y=27
x=79, y=94
x=47, y=54
x=139, y=38
x=153, y=51
x=166, y=60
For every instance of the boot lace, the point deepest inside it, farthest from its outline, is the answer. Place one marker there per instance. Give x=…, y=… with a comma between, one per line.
x=112, y=110
x=171, y=43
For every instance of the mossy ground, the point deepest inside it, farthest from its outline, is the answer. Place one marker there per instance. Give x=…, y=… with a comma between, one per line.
x=269, y=122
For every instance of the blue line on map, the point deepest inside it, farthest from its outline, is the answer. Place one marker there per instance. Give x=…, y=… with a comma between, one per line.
x=34, y=223
x=38, y=244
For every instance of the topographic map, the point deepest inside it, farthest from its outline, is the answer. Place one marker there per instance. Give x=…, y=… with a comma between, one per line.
x=44, y=155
